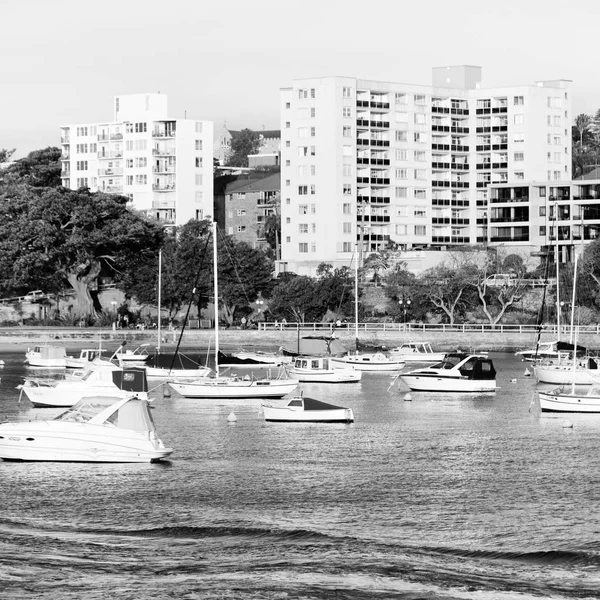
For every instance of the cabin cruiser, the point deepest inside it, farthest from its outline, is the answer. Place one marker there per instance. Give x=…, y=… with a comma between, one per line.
x=100, y=381
x=417, y=352
x=46, y=356
x=95, y=429
x=377, y=361
x=571, y=399
x=311, y=369
x=458, y=372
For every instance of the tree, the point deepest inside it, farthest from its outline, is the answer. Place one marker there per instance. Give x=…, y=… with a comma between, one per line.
x=271, y=231
x=588, y=281
x=496, y=300
x=5, y=154
x=582, y=125
x=244, y=274
x=243, y=143
x=294, y=298
x=51, y=238
x=40, y=168
x=334, y=290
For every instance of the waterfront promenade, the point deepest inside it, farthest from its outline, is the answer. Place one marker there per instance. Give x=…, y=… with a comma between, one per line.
x=445, y=338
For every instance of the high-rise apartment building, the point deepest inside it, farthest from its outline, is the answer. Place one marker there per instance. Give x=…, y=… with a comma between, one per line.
x=164, y=165
x=368, y=163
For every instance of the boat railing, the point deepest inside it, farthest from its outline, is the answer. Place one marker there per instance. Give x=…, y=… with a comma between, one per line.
x=407, y=328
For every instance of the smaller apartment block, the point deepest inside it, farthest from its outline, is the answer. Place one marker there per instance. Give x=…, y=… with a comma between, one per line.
x=247, y=204
x=163, y=165
x=545, y=216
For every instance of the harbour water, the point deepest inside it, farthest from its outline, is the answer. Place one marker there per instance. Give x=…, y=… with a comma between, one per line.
x=438, y=497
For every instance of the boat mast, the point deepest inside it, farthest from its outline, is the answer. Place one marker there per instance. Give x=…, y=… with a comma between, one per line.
x=356, y=296
x=216, y=298
x=159, y=299
x=557, y=271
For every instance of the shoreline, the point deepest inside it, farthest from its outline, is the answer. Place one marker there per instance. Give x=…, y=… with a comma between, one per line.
x=19, y=339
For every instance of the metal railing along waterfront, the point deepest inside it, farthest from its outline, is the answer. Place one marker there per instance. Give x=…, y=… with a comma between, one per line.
x=320, y=328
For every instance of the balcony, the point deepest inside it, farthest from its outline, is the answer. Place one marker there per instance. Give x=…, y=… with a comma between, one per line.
x=380, y=143
x=443, y=110
x=483, y=111
x=164, y=169
x=109, y=155
x=380, y=162
x=516, y=238
x=164, y=204
x=362, y=104
x=500, y=165
x=445, y=166
x=443, y=147
x=169, y=133
x=458, y=148
x=499, y=110
x=440, y=221
x=499, y=128
x=459, y=111
x=65, y=140
x=445, y=184
x=442, y=128
x=379, y=105
x=379, y=124
x=459, y=129
x=103, y=137
x=459, y=184
x=116, y=136
x=163, y=151
x=65, y=156
x=484, y=148
x=499, y=146
x=482, y=184
x=456, y=221
x=483, y=129
x=163, y=187
x=459, y=166
x=113, y=189
x=380, y=181
x=110, y=172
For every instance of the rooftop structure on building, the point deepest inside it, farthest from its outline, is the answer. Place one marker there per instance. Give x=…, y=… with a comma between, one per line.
x=366, y=164
x=164, y=165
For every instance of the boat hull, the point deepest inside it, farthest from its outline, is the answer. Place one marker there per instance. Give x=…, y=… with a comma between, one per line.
x=44, y=441
x=326, y=376
x=434, y=383
x=283, y=414
x=567, y=403
x=360, y=365
x=559, y=374
x=234, y=389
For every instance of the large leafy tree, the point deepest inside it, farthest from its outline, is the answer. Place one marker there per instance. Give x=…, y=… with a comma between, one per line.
x=294, y=299
x=335, y=290
x=243, y=143
x=5, y=154
x=51, y=238
x=40, y=168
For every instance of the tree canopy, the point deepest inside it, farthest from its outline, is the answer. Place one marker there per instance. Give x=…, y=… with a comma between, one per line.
x=243, y=143
x=40, y=168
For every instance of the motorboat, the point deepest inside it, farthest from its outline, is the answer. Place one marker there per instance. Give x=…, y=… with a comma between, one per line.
x=377, y=361
x=139, y=354
x=416, y=352
x=307, y=410
x=46, y=356
x=458, y=372
x=111, y=381
x=313, y=369
x=95, y=429
x=575, y=400
x=86, y=356
x=253, y=358
x=164, y=373
x=578, y=371
x=551, y=350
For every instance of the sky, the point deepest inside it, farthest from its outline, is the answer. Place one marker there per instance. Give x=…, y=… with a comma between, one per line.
x=62, y=62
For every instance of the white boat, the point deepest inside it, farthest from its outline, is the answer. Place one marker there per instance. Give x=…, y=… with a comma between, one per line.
x=416, y=352
x=313, y=369
x=584, y=372
x=167, y=374
x=458, y=372
x=86, y=356
x=574, y=401
x=377, y=361
x=307, y=410
x=96, y=429
x=47, y=356
x=139, y=354
x=100, y=381
x=549, y=351
x=231, y=387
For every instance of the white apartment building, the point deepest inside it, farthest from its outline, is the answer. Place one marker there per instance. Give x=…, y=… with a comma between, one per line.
x=164, y=165
x=369, y=163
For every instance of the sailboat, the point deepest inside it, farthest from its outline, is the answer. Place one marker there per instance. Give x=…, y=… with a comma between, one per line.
x=231, y=387
x=364, y=361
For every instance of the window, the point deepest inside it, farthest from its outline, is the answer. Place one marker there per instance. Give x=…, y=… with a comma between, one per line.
x=288, y=105
x=303, y=209
x=141, y=144
x=82, y=165
x=400, y=98
x=347, y=131
x=241, y=228
x=313, y=209
x=287, y=143
x=518, y=138
x=287, y=124
x=420, y=194
x=519, y=156
x=303, y=228
x=346, y=92
x=519, y=100
x=420, y=230
x=347, y=189
x=347, y=112
x=519, y=175
x=420, y=213
x=420, y=99
x=313, y=228
x=313, y=112
x=82, y=182
x=401, y=192
x=347, y=151
x=141, y=127
x=313, y=189
x=401, y=173
x=420, y=138
x=347, y=227
x=141, y=161
x=543, y=230
x=519, y=119
x=312, y=132
x=347, y=170
x=557, y=157
x=542, y=210
x=420, y=174
x=312, y=92
x=420, y=156
x=400, y=154
x=303, y=247
x=303, y=190
x=401, y=117
x=346, y=246
x=401, y=230
x=241, y=212
x=199, y=179
x=401, y=136
x=557, y=140
x=347, y=208
x=419, y=119
x=313, y=170
x=129, y=180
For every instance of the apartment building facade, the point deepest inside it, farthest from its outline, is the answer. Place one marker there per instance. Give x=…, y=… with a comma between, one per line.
x=560, y=218
x=367, y=163
x=163, y=165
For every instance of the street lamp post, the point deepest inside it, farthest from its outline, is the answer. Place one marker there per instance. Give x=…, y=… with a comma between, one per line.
x=114, y=314
x=404, y=306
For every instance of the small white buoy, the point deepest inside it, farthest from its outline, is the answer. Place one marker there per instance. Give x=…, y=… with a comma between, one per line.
x=407, y=398
x=513, y=381
x=527, y=373
x=567, y=424
x=166, y=392
x=232, y=418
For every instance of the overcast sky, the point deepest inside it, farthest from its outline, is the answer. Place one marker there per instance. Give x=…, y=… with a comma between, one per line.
x=63, y=61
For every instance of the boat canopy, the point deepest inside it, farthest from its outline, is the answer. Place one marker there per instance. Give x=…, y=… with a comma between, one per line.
x=130, y=380
x=315, y=345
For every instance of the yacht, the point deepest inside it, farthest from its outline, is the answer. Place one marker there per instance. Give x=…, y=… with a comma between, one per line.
x=313, y=369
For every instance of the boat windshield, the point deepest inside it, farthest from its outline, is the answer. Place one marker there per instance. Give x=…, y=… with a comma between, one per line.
x=86, y=409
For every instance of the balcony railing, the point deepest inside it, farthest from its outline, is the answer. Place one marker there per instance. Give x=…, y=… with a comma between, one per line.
x=163, y=187
x=163, y=151
x=110, y=172
x=163, y=134
x=116, y=136
x=113, y=189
